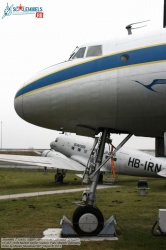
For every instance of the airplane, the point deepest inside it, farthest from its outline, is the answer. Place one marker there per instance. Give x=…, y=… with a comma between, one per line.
x=116, y=86
x=127, y=161
x=72, y=152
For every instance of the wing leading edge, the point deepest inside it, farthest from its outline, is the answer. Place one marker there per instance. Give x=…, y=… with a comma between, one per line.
x=60, y=161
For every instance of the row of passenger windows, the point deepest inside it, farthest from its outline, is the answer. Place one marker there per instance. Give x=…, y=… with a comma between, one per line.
x=85, y=151
x=91, y=51
x=79, y=150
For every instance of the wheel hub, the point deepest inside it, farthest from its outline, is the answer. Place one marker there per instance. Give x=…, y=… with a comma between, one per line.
x=88, y=222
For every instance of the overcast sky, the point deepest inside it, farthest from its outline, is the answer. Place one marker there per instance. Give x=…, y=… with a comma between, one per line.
x=29, y=44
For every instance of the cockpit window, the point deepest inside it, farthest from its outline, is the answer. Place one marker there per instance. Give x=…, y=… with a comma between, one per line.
x=79, y=53
x=94, y=51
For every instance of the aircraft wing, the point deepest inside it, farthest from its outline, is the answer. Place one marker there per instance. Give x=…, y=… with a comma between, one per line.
x=80, y=159
x=162, y=173
x=60, y=161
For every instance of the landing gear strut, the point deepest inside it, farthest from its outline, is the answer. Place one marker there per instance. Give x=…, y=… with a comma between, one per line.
x=59, y=176
x=87, y=219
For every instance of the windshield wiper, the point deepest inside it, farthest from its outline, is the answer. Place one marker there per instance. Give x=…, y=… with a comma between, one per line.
x=73, y=53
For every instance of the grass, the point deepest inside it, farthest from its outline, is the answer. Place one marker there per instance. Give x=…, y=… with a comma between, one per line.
x=13, y=181
x=29, y=217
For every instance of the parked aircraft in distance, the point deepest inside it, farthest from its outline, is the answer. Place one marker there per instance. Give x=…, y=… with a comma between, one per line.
x=72, y=152
x=126, y=161
x=116, y=86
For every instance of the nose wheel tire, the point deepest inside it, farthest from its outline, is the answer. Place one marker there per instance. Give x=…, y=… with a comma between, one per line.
x=88, y=221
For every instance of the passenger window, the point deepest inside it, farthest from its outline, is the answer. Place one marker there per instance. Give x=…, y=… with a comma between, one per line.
x=79, y=53
x=94, y=51
x=124, y=58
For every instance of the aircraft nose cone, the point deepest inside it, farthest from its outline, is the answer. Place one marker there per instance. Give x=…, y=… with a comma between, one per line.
x=18, y=105
x=52, y=145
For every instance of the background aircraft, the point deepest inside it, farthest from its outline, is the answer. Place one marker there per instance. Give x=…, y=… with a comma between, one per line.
x=71, y=152
x=126, y=161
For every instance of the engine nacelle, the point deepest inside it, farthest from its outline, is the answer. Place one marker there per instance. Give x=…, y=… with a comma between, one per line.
x=53, y=154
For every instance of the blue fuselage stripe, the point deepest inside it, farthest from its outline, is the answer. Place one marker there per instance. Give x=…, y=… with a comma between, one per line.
x=139, y=56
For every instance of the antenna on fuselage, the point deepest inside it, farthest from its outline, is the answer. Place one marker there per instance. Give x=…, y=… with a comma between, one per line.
x=164, y=15
x=129, y=27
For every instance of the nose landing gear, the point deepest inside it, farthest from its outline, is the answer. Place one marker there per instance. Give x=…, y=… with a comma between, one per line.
x=87, y=219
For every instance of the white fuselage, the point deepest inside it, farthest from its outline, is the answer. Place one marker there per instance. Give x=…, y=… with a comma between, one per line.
x=123, y=89
x=127, y=162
